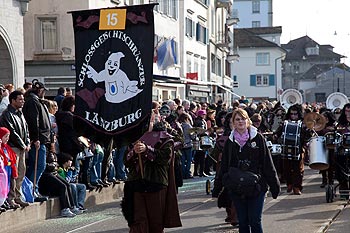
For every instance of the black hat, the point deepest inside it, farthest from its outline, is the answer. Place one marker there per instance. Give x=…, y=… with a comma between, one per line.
x=38, y=85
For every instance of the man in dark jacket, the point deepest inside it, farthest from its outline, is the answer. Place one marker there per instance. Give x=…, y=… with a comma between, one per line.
x=12, y=118
x=37, y=117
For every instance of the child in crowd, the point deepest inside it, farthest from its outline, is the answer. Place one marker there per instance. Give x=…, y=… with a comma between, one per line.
x=8, y=157
x=66, y=171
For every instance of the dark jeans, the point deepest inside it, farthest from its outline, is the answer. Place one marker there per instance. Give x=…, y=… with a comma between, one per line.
x=55, y=186
x=249, y=213
x=186, y=160
x=41, y=164
x=118, y=156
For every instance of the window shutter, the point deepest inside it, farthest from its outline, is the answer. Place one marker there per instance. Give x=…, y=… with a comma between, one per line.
x=252, y=80
x=271, y=80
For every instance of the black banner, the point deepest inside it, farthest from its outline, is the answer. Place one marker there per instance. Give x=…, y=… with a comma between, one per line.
x=114, y=68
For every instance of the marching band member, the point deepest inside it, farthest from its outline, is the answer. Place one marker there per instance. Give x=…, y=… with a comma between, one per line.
x=328, y=174
x=293, y=169
x=344, y=125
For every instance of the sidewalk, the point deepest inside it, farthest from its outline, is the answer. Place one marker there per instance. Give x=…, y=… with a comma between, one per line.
x=51, y=208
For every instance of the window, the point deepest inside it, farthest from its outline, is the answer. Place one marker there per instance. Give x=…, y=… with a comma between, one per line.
x=262, y=59
x=195, y=65
x=189, y=28
x=188, y=63
x=47, y=34
x=173, y=9
x=227, y=68
x=262, y=80
x=201, y=34
x=212, y=60
x=203, y=70
x=218, y=66
x=255, y=24
x=256, y=6
x=165, y=6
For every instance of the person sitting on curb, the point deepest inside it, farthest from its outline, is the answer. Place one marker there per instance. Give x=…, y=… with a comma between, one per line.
x=53, y=185
x=66, y=171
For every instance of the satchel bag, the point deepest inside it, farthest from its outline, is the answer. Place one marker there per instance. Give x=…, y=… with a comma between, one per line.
x=244, y=184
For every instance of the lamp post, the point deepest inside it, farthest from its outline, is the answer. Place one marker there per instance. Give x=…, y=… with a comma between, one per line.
x=276, y=77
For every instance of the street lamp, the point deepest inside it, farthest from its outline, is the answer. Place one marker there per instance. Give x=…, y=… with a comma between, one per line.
x=276, y=59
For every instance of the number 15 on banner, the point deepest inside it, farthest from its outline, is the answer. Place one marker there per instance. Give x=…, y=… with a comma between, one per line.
x=112, y=19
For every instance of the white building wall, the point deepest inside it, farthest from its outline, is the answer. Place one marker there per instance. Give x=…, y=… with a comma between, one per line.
x=246, y=16
x=11, y=31
x=247, y=66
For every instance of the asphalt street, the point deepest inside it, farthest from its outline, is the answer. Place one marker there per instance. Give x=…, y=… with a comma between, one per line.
x=199, y=213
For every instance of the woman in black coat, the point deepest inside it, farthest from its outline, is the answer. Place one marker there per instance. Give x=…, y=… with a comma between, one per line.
x=246, y=149
x=67, y=137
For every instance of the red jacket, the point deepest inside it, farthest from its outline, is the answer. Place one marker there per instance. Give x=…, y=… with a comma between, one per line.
x=13, y=158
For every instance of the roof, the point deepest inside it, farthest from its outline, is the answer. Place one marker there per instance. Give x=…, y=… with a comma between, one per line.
x=296, y=49
x=318, y=69
x=251, y=37
x=315, y=70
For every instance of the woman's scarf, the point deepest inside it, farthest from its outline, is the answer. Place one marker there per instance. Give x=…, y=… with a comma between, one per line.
x=241, y=138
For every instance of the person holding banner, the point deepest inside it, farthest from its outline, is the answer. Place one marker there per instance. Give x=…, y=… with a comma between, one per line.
x=150, y=203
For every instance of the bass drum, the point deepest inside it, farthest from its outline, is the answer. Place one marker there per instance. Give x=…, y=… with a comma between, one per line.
x=318, y=154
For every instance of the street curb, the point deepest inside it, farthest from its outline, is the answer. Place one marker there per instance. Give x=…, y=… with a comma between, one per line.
x=39, y=211
x=327, y=224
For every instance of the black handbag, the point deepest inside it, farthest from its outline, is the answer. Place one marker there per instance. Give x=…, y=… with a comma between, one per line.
x=244, y=184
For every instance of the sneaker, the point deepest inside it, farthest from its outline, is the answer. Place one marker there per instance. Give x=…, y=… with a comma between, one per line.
x=13, y=205
x=83, y=209
x=67, y=213
x=76, y=211
x=21, y=203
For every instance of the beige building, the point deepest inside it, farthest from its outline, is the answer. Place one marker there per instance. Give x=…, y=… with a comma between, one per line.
x=11, y=41
x=48, y=40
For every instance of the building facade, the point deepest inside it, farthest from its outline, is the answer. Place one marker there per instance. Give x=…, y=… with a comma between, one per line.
x=49, y=41
x=11, y=41
x=258, y=72
x=254, y=13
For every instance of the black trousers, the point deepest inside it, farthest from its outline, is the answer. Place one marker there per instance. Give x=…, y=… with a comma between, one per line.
x=54, y=186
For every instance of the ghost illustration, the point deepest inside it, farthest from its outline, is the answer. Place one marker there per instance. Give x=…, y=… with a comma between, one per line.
x=117, y=84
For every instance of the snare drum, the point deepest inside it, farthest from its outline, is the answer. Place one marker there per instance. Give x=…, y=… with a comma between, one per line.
x=206, y=143
x=346, y=140
x=291, y=140
x=333, y=140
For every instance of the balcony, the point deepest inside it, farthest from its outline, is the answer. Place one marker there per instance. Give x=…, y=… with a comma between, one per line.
x=222, y=39
x=232, y=17
x=223, y=4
